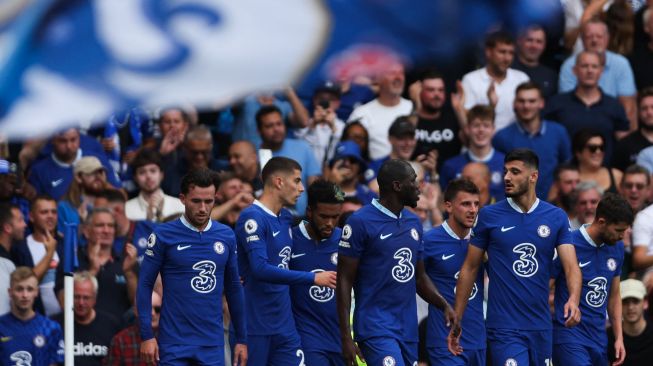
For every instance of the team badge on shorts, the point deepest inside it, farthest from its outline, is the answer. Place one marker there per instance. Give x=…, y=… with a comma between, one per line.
x=151, y=240
x=511, y=362
x=250, y=226
x=414, y=234
x=39, y=341
x=218, y=247
x=389, y=361
x=543, y=231
x=612, y=264
x=334, y=258
x=346, y=232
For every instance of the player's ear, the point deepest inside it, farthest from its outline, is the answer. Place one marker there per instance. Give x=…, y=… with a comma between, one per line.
x=182, y=198
x=447, y=206
x=534, y=175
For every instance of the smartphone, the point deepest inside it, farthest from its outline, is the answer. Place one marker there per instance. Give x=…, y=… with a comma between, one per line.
x=264, y=155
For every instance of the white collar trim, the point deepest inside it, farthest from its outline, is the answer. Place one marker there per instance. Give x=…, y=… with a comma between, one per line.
x=64, y=165
x=191, y=227
x=380, y=207
x=447, y=228
x=518, y=209
x=586, y=235
x=264, y=208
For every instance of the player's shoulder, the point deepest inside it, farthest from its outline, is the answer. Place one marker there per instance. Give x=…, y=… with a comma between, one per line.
x=436, y=234
x=220, y=229
x=47, y=323
x=253, y=213
x=547, y=209
x=166, y=232
x=410, y=217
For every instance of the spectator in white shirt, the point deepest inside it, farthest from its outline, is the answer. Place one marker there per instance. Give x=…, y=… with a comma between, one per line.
x=495, y=84
x=151, y=203
x=377, y=115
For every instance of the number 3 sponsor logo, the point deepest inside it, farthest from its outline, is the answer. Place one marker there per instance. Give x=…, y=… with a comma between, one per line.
x=205, y=280
x=404, y=270
x=526, y=265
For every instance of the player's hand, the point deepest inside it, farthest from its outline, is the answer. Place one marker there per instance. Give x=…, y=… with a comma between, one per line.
x=240, y=355
x=349, y=351
x=326, y=278
x=453, y=340
x=572, y=314
x=619, y=352
x=451, y=317
x=150, y=351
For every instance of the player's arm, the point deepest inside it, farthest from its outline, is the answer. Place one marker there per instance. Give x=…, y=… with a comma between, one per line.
x=150, y=267
x=427, y=290
x=614, y=313
x=347, y=270
x=233, y=289
x=567, y=254
x=464, y=285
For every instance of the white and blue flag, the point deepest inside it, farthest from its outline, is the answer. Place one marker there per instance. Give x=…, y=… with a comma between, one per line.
x=63, y=62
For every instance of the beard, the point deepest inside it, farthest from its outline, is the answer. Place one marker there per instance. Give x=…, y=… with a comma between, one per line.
x=519, y=190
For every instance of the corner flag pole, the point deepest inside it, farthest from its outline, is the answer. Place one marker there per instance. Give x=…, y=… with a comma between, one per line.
x=69, y=266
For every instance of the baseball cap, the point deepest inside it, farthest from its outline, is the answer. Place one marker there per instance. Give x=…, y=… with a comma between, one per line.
x=87, y=165
x=633, y=288
x=402, y=127
x=328, y=87
x=348, y=149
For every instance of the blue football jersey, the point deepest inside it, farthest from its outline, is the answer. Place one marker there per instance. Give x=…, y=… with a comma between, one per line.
x=196, y=268
x=265, y=246
x=444, y=254
x=520, y=247
x=35, y=342
x=314, y=306
x=600, y=264
x=388, y=248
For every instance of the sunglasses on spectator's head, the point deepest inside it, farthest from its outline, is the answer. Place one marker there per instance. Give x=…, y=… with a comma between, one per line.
x=594, y=148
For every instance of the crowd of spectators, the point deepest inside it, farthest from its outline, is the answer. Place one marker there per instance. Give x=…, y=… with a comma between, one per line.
x=587, y=112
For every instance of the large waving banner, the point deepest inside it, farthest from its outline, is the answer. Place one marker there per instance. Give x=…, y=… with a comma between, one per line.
x=67, y=61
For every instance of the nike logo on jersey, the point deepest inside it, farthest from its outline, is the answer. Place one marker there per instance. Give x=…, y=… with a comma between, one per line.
x=57, y=182
x=581, y=265
x=445, y=257
x=180, y=247
x=274, y=234
x=293, y=256
x=383, y=237
x=504, y=229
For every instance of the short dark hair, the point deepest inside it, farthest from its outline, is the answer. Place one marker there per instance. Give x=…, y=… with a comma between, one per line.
x=279, y=164
x=200, y=178
x=483, y=112
x=41, y=197
x=529, y=85
x=459, y=185
x=526, y=156
x=637, y=169
x=431, y=74
x=645, y=92
x=496, y=37
x=6, y=214
x=563, y=168
x=392, y=170
x=614, y=209
x=323, y=191
x=113, y=195
x=264, y=111
x=147, y=157
x=184, y=115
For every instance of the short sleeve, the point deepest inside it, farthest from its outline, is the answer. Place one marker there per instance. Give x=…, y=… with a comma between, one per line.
x=56, y=345
x=564, y=230
x=251, y=233
x=643, y=230
x=481, y=232
x=625, y=79
x=353, y=238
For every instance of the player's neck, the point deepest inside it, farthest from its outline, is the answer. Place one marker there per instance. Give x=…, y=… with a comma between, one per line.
x=273, y=203
x=593, y=232
x=460, y=230
x=526, y=200
x=23, y=315
x=309, y=230
x=393, y=204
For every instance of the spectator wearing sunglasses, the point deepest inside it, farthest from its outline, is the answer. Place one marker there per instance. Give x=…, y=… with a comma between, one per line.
x=589, y=150
x=125, y=346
